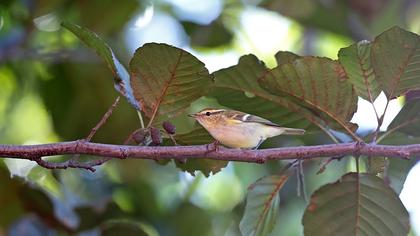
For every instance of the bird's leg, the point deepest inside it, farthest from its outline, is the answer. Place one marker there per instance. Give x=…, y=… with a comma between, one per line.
x=258, y=145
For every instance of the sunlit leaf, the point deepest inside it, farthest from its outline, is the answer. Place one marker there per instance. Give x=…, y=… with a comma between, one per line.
x=319, y=84
x=356, y=61
x=396, y=61
x=196, y=137
x=121, y=76
x=408, y=119
x=357, y=204
x=283, y=57
x=262, y=206
x=237, y=87
x=166, y=80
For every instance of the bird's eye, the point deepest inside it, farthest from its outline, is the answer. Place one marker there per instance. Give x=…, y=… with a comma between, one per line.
x=208, y=113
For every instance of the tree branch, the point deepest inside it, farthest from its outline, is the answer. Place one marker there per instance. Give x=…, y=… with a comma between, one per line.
x=36, y=152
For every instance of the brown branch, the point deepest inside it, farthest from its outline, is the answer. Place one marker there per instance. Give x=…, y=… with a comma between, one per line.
x=35, y=152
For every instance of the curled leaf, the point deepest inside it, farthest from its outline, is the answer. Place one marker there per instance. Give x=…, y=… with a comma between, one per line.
x=121, y=76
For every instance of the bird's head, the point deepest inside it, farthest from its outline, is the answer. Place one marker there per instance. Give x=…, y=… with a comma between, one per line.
x=210, y=117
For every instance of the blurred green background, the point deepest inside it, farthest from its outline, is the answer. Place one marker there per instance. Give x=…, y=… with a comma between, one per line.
x=53, y=88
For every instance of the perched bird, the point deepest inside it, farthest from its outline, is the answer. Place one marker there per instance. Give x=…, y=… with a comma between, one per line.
x=236, y=129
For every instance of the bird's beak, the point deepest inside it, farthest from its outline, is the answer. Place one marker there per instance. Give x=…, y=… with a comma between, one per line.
x=192, y=115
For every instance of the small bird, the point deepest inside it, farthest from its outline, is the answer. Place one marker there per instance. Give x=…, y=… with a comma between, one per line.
x=237, y=129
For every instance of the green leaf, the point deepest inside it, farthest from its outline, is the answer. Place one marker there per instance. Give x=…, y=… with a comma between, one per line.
x=121, y=76
x=166, y=80
x=357, y=204
x=237, y=87
x=396, y=61
x=376, y=165
x=262, y=206
x=318, y=84
x=398, y=169
x=397, y=172
x=122, y=227
x=408, y=119
x=198, y=136
x=213, y=35
x=356, y=61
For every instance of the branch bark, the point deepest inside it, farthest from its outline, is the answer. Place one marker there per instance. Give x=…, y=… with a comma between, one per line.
x=36, y=152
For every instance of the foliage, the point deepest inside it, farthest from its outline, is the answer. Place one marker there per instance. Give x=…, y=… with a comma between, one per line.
x=319, y=89
x=352, y=206
x=164, y=83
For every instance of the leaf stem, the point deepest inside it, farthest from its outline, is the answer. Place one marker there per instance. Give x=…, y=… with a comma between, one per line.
x=380, y=122
x=390, y=131
x=141, y=119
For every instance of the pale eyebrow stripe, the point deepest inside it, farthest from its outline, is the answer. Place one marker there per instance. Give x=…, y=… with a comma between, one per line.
x=213, y=111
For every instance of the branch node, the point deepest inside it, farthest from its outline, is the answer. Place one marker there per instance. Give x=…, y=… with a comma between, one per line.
x=358, y=148
x=124, y=153
x=79, y=142
x=212, y=147
x=260, y=160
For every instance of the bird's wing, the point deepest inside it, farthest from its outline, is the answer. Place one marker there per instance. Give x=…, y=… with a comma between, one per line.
x=241, y=116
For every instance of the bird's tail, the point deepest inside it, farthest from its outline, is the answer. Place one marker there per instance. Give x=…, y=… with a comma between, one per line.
x=291, y=131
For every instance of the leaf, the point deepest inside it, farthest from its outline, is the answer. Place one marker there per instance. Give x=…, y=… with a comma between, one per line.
x=357, y=204
x=262, y=206
x=396, y=61
x=198, y=136
x=122, y=227
x=213, y=35
x=121, y=76
x=408, y=119
x=356, y=61
x=376, y=165
x=283, y=57
x=237, y=87
x=398, y=169
x=397, y=172
x=166, y=80
x=318, y=84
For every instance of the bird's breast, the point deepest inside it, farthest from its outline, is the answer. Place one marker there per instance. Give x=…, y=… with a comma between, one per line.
x=242, y=135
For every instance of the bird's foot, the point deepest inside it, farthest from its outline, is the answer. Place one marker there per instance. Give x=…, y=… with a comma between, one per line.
x=213, y=147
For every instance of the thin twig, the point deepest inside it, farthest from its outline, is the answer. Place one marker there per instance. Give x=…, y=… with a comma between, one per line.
x=302, y=180
x=380, y=122
x=328, y=161
x=92, y=133
x=103, y=120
